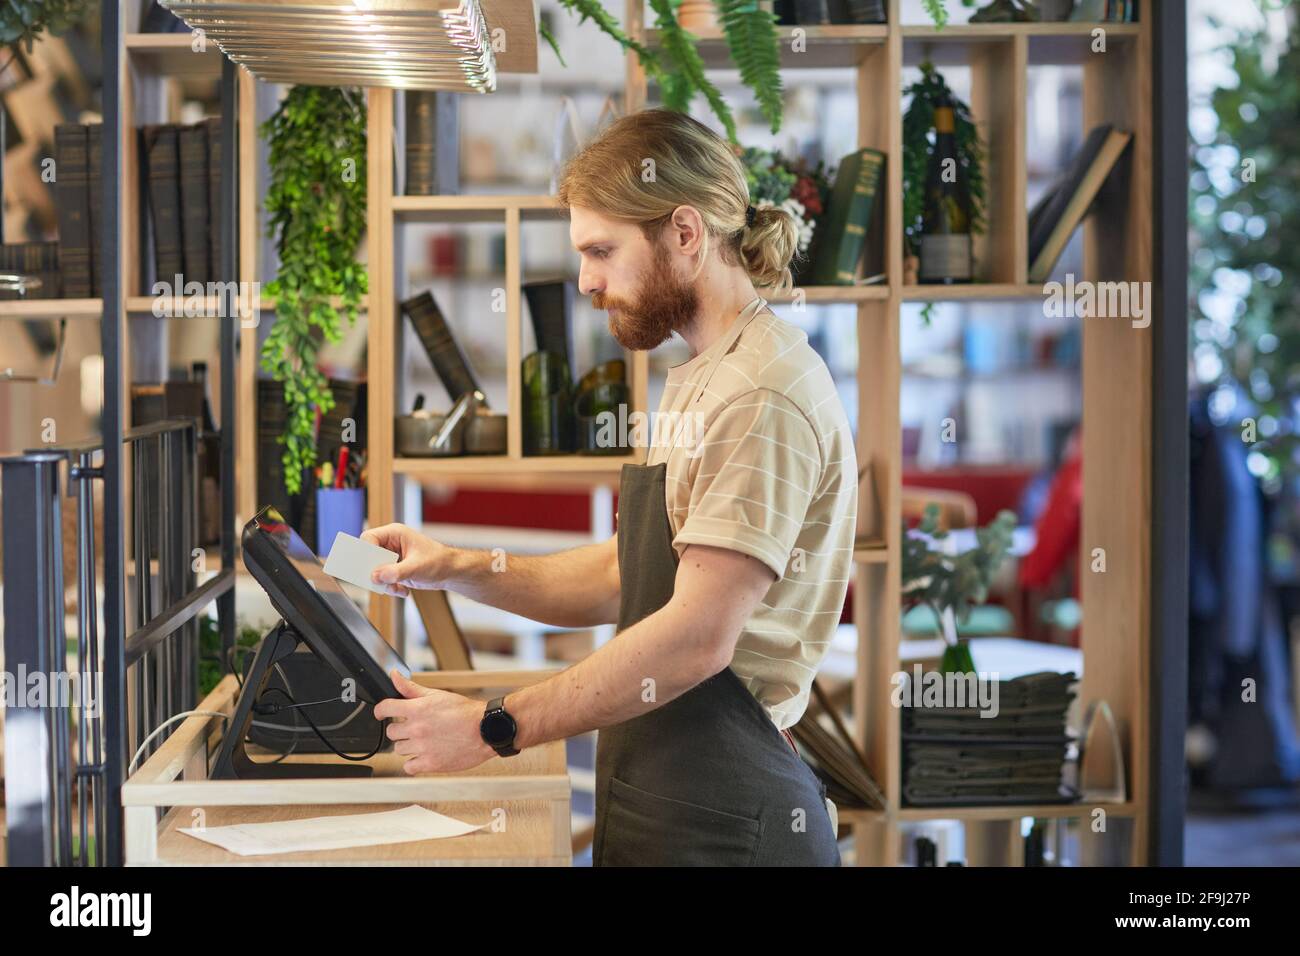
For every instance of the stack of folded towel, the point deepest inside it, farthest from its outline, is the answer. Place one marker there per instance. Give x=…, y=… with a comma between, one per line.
x=953, y=756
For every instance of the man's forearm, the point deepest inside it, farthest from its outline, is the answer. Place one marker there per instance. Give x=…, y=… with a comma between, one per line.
x=574, y=588
x=643, y=667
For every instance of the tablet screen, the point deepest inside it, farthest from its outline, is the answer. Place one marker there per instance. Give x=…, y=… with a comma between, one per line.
x=317, y=606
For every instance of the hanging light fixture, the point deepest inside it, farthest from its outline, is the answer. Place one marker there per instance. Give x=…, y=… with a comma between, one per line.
x=405, y=44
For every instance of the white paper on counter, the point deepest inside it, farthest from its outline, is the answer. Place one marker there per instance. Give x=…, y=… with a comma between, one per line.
x=334, y=833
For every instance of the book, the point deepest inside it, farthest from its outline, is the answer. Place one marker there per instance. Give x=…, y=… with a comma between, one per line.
x=432, y=143
x=95, y=205
x=162, y=161
x=213, y=125
x=1071, y=197
x=194, y=196
x=834, y=756
x=848, y=216
x=72, y=201
x=444, y=351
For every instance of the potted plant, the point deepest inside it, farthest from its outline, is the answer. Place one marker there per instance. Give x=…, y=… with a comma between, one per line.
x=950, y=584
x=316, y=210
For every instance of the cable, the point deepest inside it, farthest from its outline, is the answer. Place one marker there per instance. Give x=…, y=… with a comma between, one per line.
x=325, y=740
x=161, y=727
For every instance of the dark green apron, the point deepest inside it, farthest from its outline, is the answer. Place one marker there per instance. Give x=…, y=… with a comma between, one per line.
x=706, y=779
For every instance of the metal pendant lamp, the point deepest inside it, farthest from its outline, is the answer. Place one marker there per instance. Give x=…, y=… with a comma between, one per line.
x=404, y=44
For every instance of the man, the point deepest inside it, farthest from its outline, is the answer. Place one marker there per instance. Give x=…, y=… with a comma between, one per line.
x=728, y=569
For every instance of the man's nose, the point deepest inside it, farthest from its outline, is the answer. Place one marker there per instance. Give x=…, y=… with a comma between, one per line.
x=588, y=282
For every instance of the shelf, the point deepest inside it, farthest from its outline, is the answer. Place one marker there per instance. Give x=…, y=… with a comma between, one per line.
x=1047, y=42
x=475, y=208
x=974, y=290
x=142, y=304
x=1053, y=810
x=827, y=47
x=869, y=555
x=51, y=308
x=507, y=471
x=829, y=294
x=1056, y=811
x=172, y=54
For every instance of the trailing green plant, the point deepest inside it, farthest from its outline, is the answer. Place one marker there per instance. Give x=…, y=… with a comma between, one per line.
x=316, y=210
x=751, y=36
x=918, y=125
x=22, y=21
x=951, y=584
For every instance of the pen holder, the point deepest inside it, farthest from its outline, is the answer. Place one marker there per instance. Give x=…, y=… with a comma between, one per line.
x=338, y=509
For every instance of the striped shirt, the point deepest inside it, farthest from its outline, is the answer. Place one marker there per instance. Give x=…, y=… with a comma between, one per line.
x=763, y=463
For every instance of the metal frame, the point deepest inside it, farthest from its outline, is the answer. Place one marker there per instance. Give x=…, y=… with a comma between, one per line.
x=1169, y=444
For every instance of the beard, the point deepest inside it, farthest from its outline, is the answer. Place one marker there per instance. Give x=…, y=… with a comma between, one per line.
x=663, y=304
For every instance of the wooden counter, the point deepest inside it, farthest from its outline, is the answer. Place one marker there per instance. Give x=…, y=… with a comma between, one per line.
x=525, y=798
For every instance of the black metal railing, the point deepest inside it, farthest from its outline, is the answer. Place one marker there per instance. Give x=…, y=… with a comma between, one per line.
x=56, y=795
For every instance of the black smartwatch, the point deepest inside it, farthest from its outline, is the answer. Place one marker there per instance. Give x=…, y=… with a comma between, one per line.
x=498, y=728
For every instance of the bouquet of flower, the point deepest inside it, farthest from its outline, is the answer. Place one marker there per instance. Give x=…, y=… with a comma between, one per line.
x=787, y=184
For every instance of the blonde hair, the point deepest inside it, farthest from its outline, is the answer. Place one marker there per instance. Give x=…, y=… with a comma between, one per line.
x=646, y=164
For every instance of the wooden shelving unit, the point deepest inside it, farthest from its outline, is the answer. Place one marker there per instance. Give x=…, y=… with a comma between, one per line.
x=1116, y=366
x=1116, y=358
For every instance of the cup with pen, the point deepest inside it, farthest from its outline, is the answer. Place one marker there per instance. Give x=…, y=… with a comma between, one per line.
x=340, y=497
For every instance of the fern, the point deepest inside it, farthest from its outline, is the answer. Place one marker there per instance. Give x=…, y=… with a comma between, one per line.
x=687, y=76
x=545, y=33
x=751, y=38
x=937, y=11
x=594, y=11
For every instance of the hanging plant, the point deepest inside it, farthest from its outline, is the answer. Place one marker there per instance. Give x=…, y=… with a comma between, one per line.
x=751, y=36
x=316, y=211
x=22, y=21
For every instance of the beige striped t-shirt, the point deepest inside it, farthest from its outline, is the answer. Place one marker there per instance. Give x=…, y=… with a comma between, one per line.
x=762, y=461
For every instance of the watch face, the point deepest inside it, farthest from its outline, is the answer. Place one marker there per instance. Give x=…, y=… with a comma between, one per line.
x=498, y=728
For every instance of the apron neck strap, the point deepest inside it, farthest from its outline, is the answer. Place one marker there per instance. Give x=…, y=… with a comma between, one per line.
x=724, y=346
x=721, y=349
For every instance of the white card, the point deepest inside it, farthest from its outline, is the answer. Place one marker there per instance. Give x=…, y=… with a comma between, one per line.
x=352, y=560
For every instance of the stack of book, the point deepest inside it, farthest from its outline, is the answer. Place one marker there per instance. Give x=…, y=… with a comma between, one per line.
x=183, y=169
x=959, y=756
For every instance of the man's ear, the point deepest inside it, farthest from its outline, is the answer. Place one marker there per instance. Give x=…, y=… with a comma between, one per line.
x=688, y=230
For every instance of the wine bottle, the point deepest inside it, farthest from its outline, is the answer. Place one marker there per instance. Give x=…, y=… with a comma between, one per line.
x=945, y=218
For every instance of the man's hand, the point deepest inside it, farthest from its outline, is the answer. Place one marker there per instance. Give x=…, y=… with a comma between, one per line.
x=422, y=563
x=438, y=730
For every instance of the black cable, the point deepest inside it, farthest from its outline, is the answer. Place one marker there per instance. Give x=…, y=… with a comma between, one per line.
x=325, y=740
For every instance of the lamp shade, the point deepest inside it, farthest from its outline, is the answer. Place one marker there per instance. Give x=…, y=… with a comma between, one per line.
x=404, y=44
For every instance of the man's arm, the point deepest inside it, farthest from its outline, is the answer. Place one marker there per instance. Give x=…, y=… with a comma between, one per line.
x=574, y=588
x=688, y=640
x=685, y=642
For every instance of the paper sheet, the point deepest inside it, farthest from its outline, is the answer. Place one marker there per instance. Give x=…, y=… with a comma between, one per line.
x=334, y=833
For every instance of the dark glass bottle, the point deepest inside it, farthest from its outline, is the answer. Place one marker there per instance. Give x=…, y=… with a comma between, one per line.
x=945, y=219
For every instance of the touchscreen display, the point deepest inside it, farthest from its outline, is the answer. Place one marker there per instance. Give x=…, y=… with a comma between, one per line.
x=315, y=604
